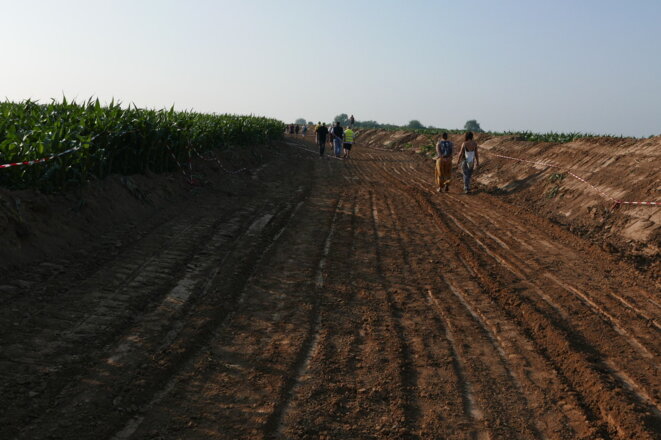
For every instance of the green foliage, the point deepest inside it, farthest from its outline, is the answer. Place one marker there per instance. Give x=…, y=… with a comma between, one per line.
x=553, y=192
x=519, y=135
x=415, y=125
x=473, y=126
x=428, y=149
x=343, y=119
x=112, y=140
x=557, y=177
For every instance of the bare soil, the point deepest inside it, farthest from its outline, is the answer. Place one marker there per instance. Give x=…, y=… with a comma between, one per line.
x=623, y=169
x=323, y=299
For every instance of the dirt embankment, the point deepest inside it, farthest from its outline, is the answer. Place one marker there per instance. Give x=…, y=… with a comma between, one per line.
x=323, y=299
x=624, y=169
x=37, y=228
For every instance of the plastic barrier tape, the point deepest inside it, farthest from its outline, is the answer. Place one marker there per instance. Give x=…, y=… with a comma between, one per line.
x=547, y=164
x=45, y=159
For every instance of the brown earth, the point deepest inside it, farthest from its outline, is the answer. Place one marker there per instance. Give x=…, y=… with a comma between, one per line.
x=624, y=169
x=314, y=298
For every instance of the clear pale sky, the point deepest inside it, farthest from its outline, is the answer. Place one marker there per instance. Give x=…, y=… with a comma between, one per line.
x=581, y=65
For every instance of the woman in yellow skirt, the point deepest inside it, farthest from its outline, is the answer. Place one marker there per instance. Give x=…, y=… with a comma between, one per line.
x=443, y=163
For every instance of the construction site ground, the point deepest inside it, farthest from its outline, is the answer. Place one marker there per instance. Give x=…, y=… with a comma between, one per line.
x=314, y=298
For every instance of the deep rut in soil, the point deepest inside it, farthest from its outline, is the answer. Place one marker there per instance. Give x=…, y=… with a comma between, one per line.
x=351, y=301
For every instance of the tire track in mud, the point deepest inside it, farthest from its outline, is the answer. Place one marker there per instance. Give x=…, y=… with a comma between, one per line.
x=273, y=426
x=435, y=416
x=408, y=375
x=330, y=374
x=498, y=349
x=334, y=313
x=112, y=383
x=617, y=331
x=375, y=340
x=219, y=321
x=569, y=351
x=472, y=412
x=595, y=330
x=568, y=412
x=512, y=262
x=459, y=327
x=238, y=387
x=457, y=232
x=559, y=252
x=54, y=351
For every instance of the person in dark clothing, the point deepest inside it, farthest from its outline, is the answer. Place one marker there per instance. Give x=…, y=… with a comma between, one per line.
x=321, y=133
x=338, y=135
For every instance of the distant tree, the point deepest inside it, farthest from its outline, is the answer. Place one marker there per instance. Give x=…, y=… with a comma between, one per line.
x=415, y=125
x=472, y=125
x=342, y=118
x=300, y=121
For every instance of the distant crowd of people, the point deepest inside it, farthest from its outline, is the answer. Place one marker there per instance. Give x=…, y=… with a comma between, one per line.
x=341, y=141
x=295, y=129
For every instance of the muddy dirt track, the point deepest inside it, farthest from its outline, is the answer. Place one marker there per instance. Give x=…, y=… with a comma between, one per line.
x=347, y=301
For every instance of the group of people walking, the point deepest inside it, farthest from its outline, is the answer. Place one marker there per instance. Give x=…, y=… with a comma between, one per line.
x=295, y=129
x=468, y=161
x=341, y=139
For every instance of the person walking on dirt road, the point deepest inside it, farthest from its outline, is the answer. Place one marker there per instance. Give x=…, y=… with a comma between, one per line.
x=338, y=135
x=351, y=121
x=321, y=134
x=468, y=160
x=305, y=130
x=443, y=163
x=348, y=142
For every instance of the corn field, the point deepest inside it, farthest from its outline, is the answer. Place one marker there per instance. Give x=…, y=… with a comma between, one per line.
x=519, y=135
x=111, y=139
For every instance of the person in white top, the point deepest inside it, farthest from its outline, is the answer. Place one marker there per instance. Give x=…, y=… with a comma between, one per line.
x=468, y=160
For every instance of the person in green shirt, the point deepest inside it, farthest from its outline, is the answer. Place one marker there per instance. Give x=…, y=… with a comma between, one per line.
x=348, y=142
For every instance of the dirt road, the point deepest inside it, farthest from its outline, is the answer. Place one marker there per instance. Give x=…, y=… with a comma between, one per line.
x=347, y=300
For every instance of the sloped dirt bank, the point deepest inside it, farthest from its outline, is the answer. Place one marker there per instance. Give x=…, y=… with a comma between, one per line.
x=336, y=299
x=37, y=229
x=624, y=169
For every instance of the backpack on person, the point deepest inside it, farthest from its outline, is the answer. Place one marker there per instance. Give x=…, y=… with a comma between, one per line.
x=446, y=148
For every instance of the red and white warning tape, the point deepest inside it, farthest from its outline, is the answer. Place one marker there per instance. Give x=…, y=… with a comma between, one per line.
x=215, y=159
x=45, y=159
x=188, y=176
x=551, y=165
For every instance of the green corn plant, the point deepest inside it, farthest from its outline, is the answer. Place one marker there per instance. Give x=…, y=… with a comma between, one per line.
x=112, y=139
